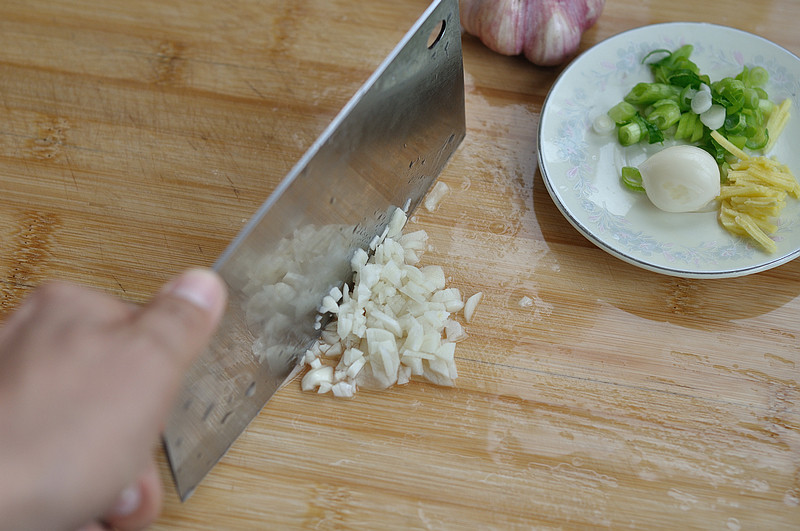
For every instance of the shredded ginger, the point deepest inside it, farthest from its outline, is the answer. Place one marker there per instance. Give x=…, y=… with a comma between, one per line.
x=755, y=194
x=395, y=322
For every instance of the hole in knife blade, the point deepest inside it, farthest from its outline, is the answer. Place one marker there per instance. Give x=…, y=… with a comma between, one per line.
x=436, y=34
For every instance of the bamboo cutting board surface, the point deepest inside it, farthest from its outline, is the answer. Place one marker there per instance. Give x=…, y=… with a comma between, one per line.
x=136, y=138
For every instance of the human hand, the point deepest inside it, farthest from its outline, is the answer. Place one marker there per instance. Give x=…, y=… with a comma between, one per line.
x=86, y=385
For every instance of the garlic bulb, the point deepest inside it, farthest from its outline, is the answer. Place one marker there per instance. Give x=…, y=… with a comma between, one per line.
x=548, y=32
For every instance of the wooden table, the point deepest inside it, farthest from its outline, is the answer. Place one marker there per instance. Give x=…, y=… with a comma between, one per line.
x=137, y=137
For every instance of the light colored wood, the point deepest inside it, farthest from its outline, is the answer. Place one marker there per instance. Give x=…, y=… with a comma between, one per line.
x=137, y=137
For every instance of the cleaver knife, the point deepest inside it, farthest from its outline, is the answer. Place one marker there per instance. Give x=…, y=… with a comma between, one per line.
x=383, y=151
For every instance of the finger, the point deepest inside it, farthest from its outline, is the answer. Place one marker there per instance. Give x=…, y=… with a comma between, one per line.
x=181, y=318
x=45, y=303
x=139, y=505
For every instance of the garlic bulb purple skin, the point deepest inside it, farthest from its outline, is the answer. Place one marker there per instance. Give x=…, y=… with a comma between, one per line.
x=547, y=32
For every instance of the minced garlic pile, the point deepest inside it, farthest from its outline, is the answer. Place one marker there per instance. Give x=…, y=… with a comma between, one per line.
x=394, y=323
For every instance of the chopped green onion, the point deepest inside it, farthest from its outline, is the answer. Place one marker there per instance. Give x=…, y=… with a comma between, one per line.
x=759, y=140
x=735, y=123
x=686, y=126
x=622, y=112
x=714, y=117
x=686, y=97
x=750, y=98
x=766, y=106
x=676, y=68
x=729, y=93
x=632, y=178
x=683, y=103
x=758, y=76
x=654, y=52
x=630, y=133
x=603, y=124
x=701, y=101
x=699, y=131
x=648, y=93
x=653, y=133
x=737, y=140
x=665, y=114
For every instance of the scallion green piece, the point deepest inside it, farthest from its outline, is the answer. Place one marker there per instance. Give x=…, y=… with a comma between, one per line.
x=759, y=140
x=758, y=76
x=686, y=126
x=632, y=178
x=630, y=133
x=729, y=93
x=622, y=112
x=652, y=133
x=699, y=131
x=665, y=114
x=751, y=98
x=735, y=123
x=737, y=140
x=648, y=93
x=685, y=98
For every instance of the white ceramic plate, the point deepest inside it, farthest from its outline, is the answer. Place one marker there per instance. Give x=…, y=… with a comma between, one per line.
x=581, y=168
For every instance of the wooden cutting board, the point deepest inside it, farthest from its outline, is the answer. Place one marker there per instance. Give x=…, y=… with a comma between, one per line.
x=136, y=138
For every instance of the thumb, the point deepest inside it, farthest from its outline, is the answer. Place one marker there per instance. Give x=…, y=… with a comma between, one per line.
x=138, y=505
x=180, y=320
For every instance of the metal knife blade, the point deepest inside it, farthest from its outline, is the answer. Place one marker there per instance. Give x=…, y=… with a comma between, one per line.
x=382, y=151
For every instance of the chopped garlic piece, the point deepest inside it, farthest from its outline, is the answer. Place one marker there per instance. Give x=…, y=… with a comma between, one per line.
x=396, y=224
x=315, y=377
x=393, y=323
x=454, y=331
x=343, y=390
x=436, y=195
x=471, y=305
x=328, y=305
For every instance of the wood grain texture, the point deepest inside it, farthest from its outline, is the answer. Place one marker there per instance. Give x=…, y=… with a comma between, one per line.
x=136, y=138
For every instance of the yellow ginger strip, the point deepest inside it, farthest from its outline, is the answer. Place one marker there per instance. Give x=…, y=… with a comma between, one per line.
x=777, y=122
x=756, y=187
x=773, y=178
x=761, y=161
x=766, y=202
x=759, y=212
x=755, y=193
x=754, y=231
x=729, y=147
x=746, y=190
x=731, y=213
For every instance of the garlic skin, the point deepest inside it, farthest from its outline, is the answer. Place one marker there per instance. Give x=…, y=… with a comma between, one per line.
x=547, y=32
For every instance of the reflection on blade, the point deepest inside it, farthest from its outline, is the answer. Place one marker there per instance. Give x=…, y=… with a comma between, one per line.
x=383, y=150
